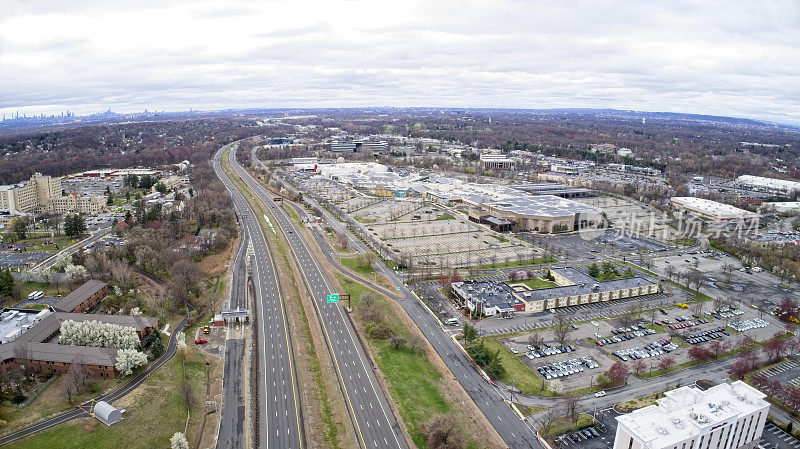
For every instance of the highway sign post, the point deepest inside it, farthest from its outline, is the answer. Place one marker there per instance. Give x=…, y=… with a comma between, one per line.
x=333, y=297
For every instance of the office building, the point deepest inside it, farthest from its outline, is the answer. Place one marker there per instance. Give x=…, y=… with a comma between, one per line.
x=726, y=416
x=497, y=162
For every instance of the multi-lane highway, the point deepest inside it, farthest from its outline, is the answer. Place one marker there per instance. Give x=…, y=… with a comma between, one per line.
x=280, y=420
x=488, y=398
x=373, y=421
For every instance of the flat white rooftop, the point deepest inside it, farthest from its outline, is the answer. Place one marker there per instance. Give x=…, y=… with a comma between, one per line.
x=712, y=208
x=685, y=412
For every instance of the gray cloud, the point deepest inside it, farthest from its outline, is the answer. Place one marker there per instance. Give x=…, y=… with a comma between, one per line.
x=738, y=58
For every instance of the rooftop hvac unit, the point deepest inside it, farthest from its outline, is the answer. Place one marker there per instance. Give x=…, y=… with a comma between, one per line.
x=663, y=431
x=678, y=423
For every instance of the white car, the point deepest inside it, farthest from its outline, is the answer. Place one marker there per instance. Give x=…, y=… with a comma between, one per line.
x=600, y=394
x=515, y=350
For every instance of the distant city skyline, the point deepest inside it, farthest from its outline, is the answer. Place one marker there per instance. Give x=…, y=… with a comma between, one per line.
x=726, y=59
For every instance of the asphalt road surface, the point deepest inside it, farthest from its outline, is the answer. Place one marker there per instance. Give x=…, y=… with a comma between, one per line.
x=279, y=411
x=233, y=423
x=488, y=398
x=373, y=421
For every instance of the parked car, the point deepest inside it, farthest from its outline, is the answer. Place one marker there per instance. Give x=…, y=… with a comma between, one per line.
x=206, y=330
x=200, y=341
x=600, y=394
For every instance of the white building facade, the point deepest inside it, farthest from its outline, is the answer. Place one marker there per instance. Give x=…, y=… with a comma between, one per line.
x=726, y=416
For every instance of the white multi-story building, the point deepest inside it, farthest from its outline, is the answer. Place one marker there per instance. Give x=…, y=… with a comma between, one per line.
x=497, y=162
x=726, y=416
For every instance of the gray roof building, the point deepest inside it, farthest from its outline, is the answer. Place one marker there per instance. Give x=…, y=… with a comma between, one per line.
x=78, y=296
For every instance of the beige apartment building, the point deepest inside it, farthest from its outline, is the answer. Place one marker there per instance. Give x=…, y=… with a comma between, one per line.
x=76, y=203
x=43, y=193
x=29, y=196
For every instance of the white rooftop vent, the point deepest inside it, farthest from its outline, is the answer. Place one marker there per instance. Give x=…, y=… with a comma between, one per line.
x=678, y=423
x=662, y=431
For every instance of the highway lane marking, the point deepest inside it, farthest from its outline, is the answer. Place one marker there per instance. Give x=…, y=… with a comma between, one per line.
x=286, y=325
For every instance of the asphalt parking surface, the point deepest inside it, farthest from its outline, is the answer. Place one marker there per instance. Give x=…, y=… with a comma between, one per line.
x=15, y=259
x=775, y=438
x=607, y=429
x=787, y=373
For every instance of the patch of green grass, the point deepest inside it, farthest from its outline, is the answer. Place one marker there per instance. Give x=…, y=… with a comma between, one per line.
x=685, y=241
x=528, y=410
x=37, y=306
x=564, y=425
x=44, y=242
x=48, y=289
x=499, y=238
x=526, y=380
x=517, y=263
x=154, y=412
x=640, y=402
x=365, y=220
x=353, y=264
x=445, y=216
x=293, y=213
x=414, y=384
x=535, y=283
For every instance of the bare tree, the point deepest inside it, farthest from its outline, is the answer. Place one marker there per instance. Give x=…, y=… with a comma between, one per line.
x=535, y=339
x=570, y=406
x=562, y=326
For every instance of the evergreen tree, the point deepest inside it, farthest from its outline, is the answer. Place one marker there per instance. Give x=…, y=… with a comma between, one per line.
x=19, y=228
x=6, y=282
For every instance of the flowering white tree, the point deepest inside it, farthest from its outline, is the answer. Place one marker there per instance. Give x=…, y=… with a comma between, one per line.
x=128, y=360
x=95, y=333
x=180, y=340
x=178, y=441
x=136, y=312
x=62, y=260
x=75, y=272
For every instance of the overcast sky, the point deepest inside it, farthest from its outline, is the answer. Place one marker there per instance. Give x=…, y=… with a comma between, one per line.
x=736, y=58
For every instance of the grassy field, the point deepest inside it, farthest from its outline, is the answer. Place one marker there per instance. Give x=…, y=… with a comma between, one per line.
x=535, y=283
x=154, y=411
x=48, y=289
x=352, y=263
x=50, y=401
x=527, y=381
x=44, y=242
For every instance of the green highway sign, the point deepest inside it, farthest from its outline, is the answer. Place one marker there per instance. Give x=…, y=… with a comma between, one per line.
x=333, y=297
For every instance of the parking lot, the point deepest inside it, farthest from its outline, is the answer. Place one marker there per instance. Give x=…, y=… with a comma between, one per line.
x=606, y=341
x=787, y=373
x=632, y=218
x=10, y=259
x=725, y=276
x=602, y=438
x=775, y=438
x=432, y=236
